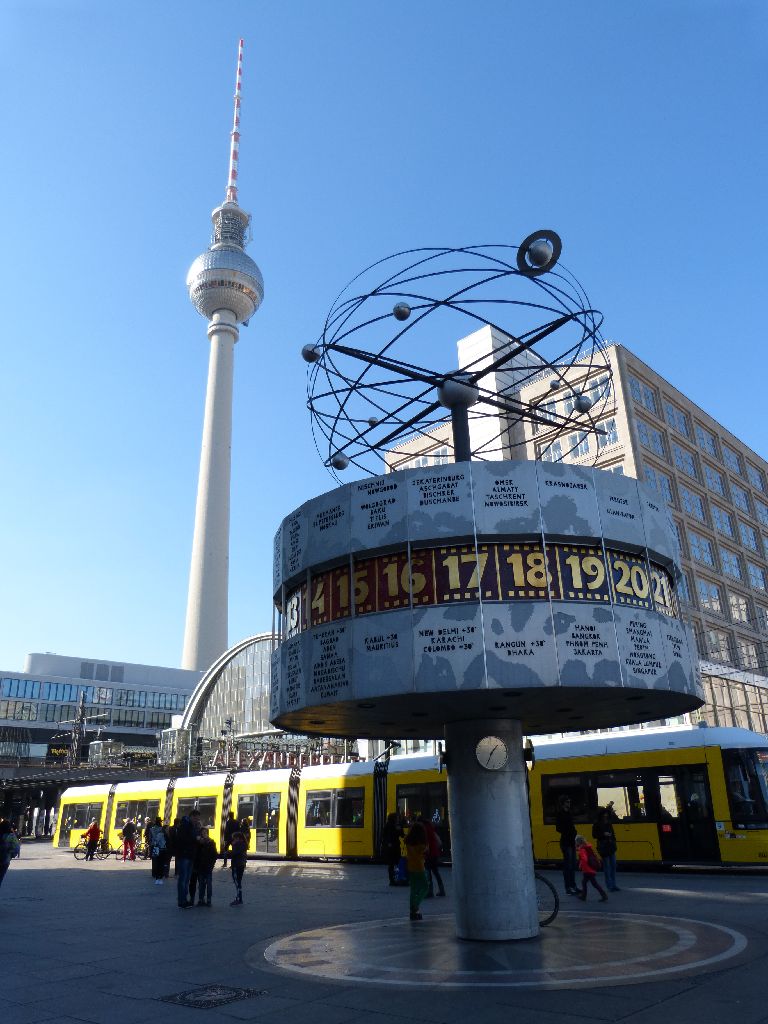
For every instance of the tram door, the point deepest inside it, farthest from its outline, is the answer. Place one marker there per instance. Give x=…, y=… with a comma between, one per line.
x=686, y=820
x=265, y=821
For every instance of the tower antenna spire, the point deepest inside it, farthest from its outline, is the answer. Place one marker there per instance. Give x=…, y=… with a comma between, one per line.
x=234, y=146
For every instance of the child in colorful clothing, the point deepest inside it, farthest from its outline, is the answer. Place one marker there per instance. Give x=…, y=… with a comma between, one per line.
x=416, y=846
x=589, y=865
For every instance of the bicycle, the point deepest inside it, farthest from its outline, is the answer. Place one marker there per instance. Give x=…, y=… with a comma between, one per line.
x=547, y=900
x=81, y=850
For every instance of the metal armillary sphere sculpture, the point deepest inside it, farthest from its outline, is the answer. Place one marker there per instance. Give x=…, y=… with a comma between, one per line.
x=369, y=390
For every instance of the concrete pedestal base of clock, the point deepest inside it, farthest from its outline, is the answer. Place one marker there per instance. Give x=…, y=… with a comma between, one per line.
x=493, y=883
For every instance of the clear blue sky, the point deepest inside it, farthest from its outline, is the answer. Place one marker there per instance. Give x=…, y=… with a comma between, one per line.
x=637, y=131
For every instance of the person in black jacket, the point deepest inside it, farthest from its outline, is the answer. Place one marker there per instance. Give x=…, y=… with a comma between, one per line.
x=565, y=826
x=391, y=835
x=185, y=844
x=229, y=830
x=605, y=837
x=205, y=858
x=239, y=860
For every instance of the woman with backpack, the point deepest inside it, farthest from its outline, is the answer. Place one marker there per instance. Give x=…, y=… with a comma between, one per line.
x=589, y=865
x=605, y=838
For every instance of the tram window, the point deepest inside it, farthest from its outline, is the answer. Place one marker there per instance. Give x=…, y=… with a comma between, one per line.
x=669, y=803
x=574, y=787
x=622, y=793
x=137, y=810
x=423, y=800
x=746, y=779
x=82, y=815
x=246, y=807
x=350, y=805
x=318, y=809
x=205, y=804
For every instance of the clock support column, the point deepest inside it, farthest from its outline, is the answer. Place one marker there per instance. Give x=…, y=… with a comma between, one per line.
x=493, y=883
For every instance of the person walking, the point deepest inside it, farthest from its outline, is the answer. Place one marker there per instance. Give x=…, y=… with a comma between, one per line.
x=605, y=840
x=129, y=839
x=416, y=850
x=91, y=836
x=184, y=846
x=245, y=829
x=9, y=847
x=205, y=859
x=239, y=860
x=391, y=835
x=432, y=859
x=565, y=826
x=589, y=866
x=230, y=828
x=157, y=847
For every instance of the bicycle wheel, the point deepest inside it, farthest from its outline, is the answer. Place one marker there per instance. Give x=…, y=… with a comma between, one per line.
x=547, y=900
x=80, y=851
x=102, y=852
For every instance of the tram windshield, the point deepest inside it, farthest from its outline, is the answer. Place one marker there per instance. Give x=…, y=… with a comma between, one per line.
x=746, y=779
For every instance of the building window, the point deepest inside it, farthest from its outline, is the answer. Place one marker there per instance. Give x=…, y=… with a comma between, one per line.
x=706, y=441
x=18, y=710
x=86, y=669
x=661, y=482
x=684, y=460
x=756, y=478
x=643, y=394
x=134, y=719
x=677, y=419
x=740, y=497
x=618, y=468
x=29, y=688
x=723, y=522
x=747, y=652
x=701, y=548
x=762, y=618
x=692, y=504
x=158, y=720
x=714, y=480
x=748, y=536
x=678, y=532
x=651, y=438
x=717, y=645
x=545, y=409
x=579, y=444
x=552, y=452
x=683, y=588
x=730, y=563
x=756, y=576
x=739, y=607
x=761, y=511
x=600, y=390
x=59, y=691
x=611, y=435
x=116, y=674
x=100, y=694
x=102, y=673
x=709, y=596
x=731, y=459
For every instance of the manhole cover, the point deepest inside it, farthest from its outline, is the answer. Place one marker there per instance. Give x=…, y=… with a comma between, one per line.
x=208, y=996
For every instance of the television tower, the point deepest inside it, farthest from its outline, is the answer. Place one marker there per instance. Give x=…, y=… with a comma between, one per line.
x=226, y=287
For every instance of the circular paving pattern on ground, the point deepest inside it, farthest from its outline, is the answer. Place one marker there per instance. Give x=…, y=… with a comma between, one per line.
x=580, y=949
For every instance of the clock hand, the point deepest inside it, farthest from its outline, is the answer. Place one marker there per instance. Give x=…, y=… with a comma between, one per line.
x=491, y=755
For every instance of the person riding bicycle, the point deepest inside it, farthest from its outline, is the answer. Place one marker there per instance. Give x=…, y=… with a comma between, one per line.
x=92, y=835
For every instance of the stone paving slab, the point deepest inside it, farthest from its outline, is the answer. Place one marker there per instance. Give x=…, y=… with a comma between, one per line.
x=100, y=944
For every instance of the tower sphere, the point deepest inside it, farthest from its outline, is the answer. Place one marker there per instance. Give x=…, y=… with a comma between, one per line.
x=225, y=277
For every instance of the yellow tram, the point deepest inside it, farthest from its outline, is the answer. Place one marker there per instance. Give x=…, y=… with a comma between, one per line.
x=678, y=796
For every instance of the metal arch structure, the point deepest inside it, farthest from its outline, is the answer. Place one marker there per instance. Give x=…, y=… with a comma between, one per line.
x=367, y=394
x=201, y=694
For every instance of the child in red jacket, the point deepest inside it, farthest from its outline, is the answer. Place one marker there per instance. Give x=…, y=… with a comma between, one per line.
x=589, y=865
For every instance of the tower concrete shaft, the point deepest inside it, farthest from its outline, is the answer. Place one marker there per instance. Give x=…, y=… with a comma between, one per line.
x=206, y=629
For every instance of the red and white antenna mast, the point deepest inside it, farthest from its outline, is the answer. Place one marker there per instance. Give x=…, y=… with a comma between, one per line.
x=234, y=147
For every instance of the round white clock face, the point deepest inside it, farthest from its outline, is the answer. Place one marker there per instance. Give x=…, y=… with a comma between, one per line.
x=491, y=753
